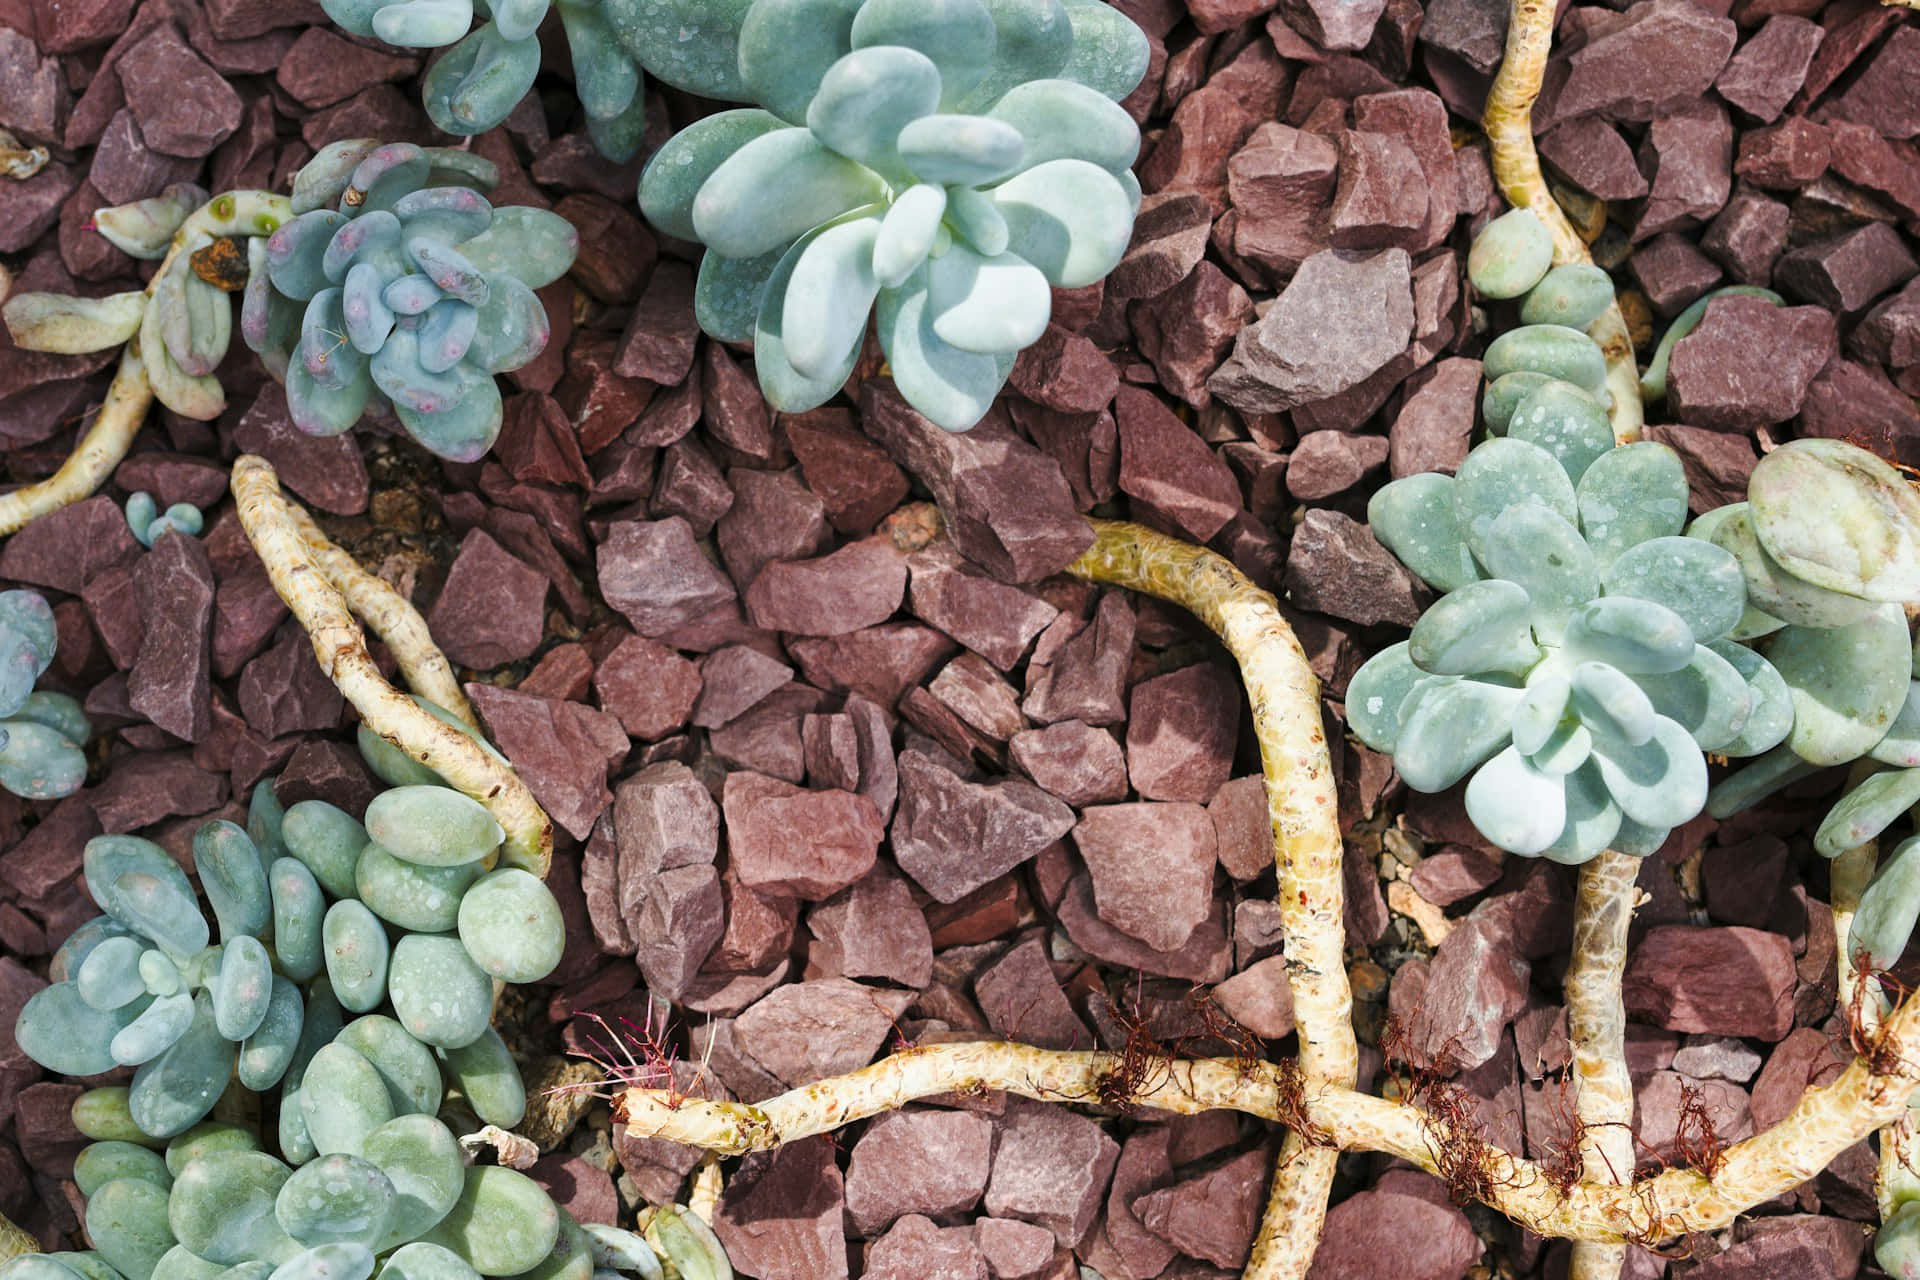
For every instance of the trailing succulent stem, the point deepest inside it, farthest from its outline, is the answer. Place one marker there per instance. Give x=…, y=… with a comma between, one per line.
x=1301, y=799
x=309, y=590
x=1597, y=1027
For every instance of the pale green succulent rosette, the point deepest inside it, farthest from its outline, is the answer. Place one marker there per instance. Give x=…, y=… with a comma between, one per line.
x=943, y=166
x=412, y=294
x=1578, y=665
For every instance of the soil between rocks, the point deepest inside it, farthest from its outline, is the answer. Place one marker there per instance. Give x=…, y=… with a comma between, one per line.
x=825, y=782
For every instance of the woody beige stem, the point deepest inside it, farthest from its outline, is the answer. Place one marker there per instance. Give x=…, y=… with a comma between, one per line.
x=1597, y=1026
x=1825, y=1122
x=1303, y=806
x=131, y=393
x=301, y=580
x=15, y=1241
x=1508, y=121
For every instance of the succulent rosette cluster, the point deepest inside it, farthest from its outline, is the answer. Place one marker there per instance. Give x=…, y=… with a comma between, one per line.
x=945, y=164
x=41, y=732
x=490, y=68
x=1581, y=660
x=412, y=293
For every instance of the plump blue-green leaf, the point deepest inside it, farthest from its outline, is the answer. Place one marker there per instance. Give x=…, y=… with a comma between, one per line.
x=80, y=944
x=353, y=15
x=336, y=1199
x=158, y=1028
x=63, y=1033
x=368, y=318
x=439, y=994
x=1774, y=593
x=1413, y=517
x=950, y=387
x=1448, y=727
x=1506, y=473
x=196, y=321
x=1567, y=748
x=961, y=150
x=327, y=1262
x=1639, y=637
x=907, y=233
x=1573, y=294
x=479, y=81
x=1696, y=579
x=1836, y=516
x=1770, y=706
x=1888, y=908
x=233, y=878
x=676, y=172
x=973, y=217
x=27, y=619
x=1510, y=255
x=1060, y=119
x=1541, y=709
x=40, y=763
x=616, y=1249
x=517, y=19
x=1071, y=219
x=1639, y=840
x=1901, y=745
x=608, y=81
x=357, y=953
x=222, y=1208
x=326, y=353
x=449, y=269
x=488, y=1077
x=1629, y=495
x=140, y=885
x=416, y=898
x=1375, y=694
x=534, y=246
x=1552, y=349
x=728, y=292
x=775, y=188
x=1869, y=807
x=386, y=173
x=829, y=296
x=266, y=1054
x=324, y=178
x=127, y=1223
x=1660, y=783
x=404, y=1064
x=1768, y=773
x=1504, y=394
x=690, y=44
x=322, y=1022
x=867, y=98
x=110, y=975
x=451, y=215
x=1566, y=422
x=1033, y=41
x=422, y=24
x=328, y=839
x=423, y=1261
x=59, y=712
x=242, y=988
x=510, y=329
x=374, y=239
x=446, y=332
x=421, y=1159
x=511, y=927
x=1481, y=627
x=342, y=1099
x=1110, y=54
x=101, y=1162
x=1847, y=683
x=1611, y=702
x=176, y=1090
x=786, y=47
x=991, y=306
x=957, y=35
x=1707, y=697
x=1545, y=555
x=502, y=1224
x=1518, y=807
x=296, y=252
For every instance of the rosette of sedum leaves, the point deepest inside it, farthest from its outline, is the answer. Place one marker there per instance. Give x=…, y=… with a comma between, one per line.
x=413, y=292
x=480, y=80
x=943, y=163
x=41, y=733
x=1580, y=661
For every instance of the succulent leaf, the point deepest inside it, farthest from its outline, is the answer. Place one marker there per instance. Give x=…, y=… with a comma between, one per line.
x=1847, y=683
x=297, y=253
x=1510, y=255
x=950, y=387
x=1777, y=597
x=1697, y=580
x=1638, y=637
x=990, y=306
x=828, y=297
x=1707, y=697
x=690, y=44
x=1518, y=807
x=1069, y=218
x=1536, y=549
x=323, y=179
x=1573, y=294
x=517, y=19
x=1566, y=422
x=1481, y=627
x=176, y=1090
x=907, y=233
x=1631, y=494
x=1592, y=821
x=145, y=228
x=1770, y=707
x=478, y=82
x=421, y=24
x=1869, y=807
x=1659, y=783
x=1448, y=727
x=786, y=47
x=1505, y=473
x=65, y=325
x=1889, y=907
x=446, y=334
x=1503, y=395
x=1110, y=53
x=1831, y=514
x=775, y=189
x=1376, y=694
x=961, y=150
x=1413, y=517
x=957, y=35
x=676, y=172
x=1612, y=702
x=1558, y=352
x=1033, y=40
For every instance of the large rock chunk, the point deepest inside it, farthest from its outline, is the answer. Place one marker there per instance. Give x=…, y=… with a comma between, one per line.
x=171, y=682
x=1342, y=317
x=994, y=620
x=1659, y=55
x=806, y=1031
x=952, y=836
x=1006, y=504
x=1167, y=469
x=779, y=1218
x=1337, y=567
x=1152, y=866
x=1051, y=1169
x=790, y=841
x=1212, y=1215
x=1748, y=364
x=1388, y=1233
x=653, y=572
x=562, y=750
x=1730, y=981
x=925, y=1162
x=492, y=609
x=860, y=585
x=1181, y=737
x=184, y=107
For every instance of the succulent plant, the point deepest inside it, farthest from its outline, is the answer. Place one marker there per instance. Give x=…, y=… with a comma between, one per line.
x=303, y=990
x=412, y=293
x=41, y=733
x=1579, y=662
x=476, y=85
x=148, y=522
x=943, y=165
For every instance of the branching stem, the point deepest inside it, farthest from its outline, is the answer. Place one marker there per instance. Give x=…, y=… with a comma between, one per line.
x=1597, y=1026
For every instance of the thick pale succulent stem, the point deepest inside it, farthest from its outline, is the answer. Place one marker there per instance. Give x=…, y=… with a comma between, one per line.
x=1847, y=877
x=1303, y=805
x=1597, y=1026
x=1508, y=121
x=392, y=617
x=14, y=1241
x=131, y=394
x=94, y=458
x=1826, y=1121
x=303, y=582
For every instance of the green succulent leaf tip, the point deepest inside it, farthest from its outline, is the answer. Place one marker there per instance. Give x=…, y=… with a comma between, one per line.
x=41, y=733
x=408, y=297
x=347, y=962
x=1577, y=667
x=148, y=522
x=942, y=167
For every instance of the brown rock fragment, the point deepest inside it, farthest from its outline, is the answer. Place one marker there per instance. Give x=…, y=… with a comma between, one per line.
x=1717, y=981
x=171, y=680
x=807, y=844
x=917, y=1161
